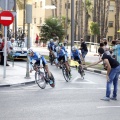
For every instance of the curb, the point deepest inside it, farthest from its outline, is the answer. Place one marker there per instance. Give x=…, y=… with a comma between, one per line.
x=18, y=84
x=96, y=71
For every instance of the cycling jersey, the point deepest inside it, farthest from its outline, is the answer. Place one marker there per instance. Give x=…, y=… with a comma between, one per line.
x=51, y=45
x=61, y=55
x=75, y=53
x=38, y=58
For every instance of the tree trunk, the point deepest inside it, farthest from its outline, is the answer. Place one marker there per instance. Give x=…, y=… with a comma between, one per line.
x=98, y=18
x=60, y=9
x=76, y=20
x=102, y=18
x=79, y=35
x=81, y=18
x=116, y=19
x=66, y=21
x=106, y=19
x=86, y=21
x=56, y=8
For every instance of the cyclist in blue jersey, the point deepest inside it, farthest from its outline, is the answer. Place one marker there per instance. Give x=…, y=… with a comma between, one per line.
x=40, y=60
x=51, y=45
x=61, y=55
x=63, y=47
x=76, y=55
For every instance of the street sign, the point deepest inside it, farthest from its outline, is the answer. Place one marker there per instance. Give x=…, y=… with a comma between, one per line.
x=10, y=4
x=6, y=18
x=14, y=13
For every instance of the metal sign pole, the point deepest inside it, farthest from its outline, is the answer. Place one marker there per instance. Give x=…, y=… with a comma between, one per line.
x=5, y=45
x=28, y=21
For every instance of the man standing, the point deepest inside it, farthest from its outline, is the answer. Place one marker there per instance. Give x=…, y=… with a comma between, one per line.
x=84, y=49
x=113, y=72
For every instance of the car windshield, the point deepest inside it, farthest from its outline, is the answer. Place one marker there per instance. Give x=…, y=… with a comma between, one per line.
x=19, y=44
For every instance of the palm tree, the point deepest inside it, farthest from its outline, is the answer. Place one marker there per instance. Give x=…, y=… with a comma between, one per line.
x=102, y=18
x=76, y=19
x=66, y=21
x=106, y=18
x=60, y=9
x=87, y=9
x=117, y=3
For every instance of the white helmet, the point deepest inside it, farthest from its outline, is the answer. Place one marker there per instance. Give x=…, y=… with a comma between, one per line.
x=51, y=40
x=29, y=51
x=74, y=48
x=58, y=48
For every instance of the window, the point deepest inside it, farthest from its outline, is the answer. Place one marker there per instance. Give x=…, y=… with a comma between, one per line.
x=111, y=8
x=110, y=38
x=110, y=24
x=40, y=20
x=68, y=5
x=34, y=20
x=40, y=3
x=35, y=4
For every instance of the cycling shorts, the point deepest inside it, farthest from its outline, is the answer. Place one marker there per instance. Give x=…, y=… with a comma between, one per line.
x=77, y=59
x=64, y=58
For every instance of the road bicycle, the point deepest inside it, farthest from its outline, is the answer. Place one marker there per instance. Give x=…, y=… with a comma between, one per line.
x=66, y=73
x=81, y=71
x=78, y=67
x=42, y=78
x=51, y=59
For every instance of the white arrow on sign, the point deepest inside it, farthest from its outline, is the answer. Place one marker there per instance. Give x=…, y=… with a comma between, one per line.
x=6, y=18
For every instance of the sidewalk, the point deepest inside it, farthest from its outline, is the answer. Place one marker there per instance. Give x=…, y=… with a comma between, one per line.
x=15, y=76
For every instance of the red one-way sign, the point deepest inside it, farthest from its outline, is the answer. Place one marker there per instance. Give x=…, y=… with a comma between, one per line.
x=6, y=18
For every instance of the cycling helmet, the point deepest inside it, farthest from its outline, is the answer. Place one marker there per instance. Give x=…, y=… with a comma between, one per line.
x=58, y=48
x=51, y=40
x=29, y=51
x=74, y=48
x=60, y=44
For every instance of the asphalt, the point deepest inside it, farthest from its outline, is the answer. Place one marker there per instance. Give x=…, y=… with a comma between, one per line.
x=16, y=76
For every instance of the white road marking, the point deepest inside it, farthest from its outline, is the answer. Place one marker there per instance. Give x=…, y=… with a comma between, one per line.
x=84, y=81
x=102, y=107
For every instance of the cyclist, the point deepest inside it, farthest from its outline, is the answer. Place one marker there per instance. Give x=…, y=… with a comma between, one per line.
x=76, y=55
x=61, y=55
x=40, y=60
x=63, y=47
x=51, y=46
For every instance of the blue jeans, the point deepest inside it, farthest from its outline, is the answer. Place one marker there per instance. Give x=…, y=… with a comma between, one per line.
x=84, y=53
x=113, y=78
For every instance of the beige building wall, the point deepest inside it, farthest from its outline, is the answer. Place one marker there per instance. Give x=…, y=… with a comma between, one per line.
x=40, y=13
x=38, y=16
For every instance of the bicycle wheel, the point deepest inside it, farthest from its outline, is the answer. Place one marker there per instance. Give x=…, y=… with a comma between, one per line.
x=52, y=81
x=65, y=74
x=51, y=59
x=81, y=72
x=39, y=79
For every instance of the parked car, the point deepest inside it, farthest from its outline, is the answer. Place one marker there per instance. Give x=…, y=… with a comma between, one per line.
x=19, y=51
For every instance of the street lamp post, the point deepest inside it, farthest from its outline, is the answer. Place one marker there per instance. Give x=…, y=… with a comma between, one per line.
x=15, y=20
x=72, y=23
x=24, y=16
